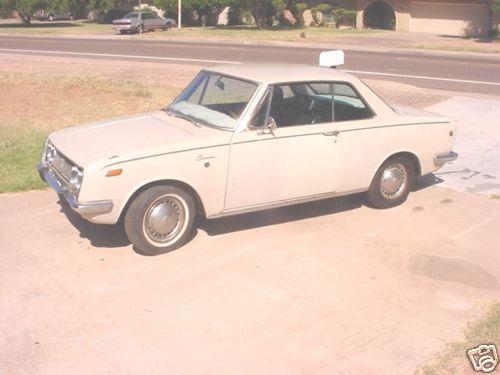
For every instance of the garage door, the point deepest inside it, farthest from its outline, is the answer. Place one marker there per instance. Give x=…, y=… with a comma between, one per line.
x=449, y=18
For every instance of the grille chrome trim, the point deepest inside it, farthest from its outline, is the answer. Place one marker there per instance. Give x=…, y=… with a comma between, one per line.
x=85, y=209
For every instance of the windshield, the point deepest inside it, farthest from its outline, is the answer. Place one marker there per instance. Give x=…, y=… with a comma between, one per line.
x=214, y=99
x=131, y=15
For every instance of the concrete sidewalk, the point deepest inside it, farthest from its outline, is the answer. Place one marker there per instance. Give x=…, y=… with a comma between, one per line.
x=326, y=288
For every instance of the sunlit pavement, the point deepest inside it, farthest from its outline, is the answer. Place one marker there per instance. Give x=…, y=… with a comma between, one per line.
x=477, y=169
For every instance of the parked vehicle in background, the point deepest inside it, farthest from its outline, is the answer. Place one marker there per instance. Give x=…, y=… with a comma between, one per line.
x=136, y=22
x=243, y=138
x=55, y=16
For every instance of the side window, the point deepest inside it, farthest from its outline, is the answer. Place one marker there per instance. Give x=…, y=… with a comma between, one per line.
x=301, y=104
x=348, y=104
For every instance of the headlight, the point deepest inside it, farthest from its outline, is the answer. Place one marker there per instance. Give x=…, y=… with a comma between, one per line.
x=50, y=152
x=76, y=177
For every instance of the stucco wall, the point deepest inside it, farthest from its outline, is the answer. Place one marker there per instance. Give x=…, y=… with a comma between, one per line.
x=451, y=17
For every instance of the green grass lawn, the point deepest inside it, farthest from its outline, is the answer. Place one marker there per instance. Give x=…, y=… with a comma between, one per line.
x=241, y=32
x=276, y=33
x=55, y=28
x=20, y=148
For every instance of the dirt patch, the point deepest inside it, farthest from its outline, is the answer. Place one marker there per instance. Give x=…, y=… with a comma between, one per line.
x=68, y=91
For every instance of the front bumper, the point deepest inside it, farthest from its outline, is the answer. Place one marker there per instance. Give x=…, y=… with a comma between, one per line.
x=124, y=27
x=85, y=209
x=442, y=159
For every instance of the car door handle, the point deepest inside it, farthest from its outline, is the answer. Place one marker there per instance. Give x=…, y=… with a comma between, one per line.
x=332, y=132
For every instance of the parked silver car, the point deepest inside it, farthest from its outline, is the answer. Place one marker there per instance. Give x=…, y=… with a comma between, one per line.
x=142, y=21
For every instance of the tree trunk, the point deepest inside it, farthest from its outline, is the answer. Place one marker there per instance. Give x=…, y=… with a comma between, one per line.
x=26, y=18
x=257, y=13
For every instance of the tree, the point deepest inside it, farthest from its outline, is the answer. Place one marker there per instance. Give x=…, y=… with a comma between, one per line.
x=25, y=8
x=203, y=8
x=495, y=6
x=206, y=8
x=262, y=11
x=103, y=5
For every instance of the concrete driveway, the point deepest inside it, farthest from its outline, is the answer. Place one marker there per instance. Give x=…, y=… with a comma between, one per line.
x=328, y=287
x=477, y=169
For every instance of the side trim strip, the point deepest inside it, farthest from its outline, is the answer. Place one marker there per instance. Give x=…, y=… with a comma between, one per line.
x=164, y=153
x=341, y=131
x=288, y=202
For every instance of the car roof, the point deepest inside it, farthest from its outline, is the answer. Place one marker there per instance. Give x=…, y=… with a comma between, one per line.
x=279, y=73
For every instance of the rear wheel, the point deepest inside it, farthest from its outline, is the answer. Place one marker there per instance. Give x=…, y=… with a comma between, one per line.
x=392, y=183
x=160, y=219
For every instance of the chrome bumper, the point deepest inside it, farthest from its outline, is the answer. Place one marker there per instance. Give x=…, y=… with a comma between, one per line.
x=442, y=159
x=85, y=209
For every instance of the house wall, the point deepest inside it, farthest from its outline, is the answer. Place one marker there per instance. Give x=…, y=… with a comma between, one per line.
x=450, y=17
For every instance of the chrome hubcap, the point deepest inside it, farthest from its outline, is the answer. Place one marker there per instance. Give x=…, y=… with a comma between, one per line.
x=393, y=181
x=164, y=219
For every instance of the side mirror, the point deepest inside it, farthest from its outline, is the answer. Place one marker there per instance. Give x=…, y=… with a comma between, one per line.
x=271, y=124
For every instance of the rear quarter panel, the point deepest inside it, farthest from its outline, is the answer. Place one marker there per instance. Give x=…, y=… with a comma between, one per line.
x=367, y=144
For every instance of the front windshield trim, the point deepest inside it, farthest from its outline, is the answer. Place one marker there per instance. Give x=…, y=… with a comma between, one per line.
x=205, y=123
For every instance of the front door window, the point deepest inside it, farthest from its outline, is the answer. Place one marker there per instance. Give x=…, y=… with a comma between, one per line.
x=301, y=104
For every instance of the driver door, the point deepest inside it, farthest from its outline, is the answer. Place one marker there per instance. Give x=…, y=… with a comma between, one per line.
x=296, y=157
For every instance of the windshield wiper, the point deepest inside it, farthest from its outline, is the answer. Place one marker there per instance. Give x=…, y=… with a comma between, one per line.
x=182, y=116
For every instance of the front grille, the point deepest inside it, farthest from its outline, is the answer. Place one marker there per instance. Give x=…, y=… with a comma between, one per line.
x=62, y=166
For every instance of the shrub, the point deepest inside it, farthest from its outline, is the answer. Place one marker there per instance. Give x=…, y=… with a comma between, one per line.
x=322, y=8
x=298, y=10
x=344, y=17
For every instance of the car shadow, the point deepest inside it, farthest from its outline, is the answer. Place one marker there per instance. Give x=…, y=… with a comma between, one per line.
x=426, y=181
x=214, y=227
x=99, y=235
x=111, y=236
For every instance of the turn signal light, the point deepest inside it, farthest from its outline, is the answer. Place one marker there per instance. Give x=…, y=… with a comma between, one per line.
x=114, y=172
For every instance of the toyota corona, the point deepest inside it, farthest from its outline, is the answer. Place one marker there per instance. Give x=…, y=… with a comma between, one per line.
x=241, y=138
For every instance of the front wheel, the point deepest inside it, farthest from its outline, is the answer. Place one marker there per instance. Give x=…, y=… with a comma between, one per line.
x=392, y=183
x=160, y=219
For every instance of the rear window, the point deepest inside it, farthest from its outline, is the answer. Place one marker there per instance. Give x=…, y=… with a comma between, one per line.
x=348, y=104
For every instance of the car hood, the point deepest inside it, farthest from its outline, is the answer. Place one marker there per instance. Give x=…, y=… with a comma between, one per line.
x=120, y=139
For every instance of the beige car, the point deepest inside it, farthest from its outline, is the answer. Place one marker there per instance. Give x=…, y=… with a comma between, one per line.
x=242, y=138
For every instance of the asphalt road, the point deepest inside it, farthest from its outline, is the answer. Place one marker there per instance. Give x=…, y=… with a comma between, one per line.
x=468, y=74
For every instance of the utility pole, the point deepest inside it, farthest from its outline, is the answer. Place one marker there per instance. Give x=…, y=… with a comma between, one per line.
x=140, y=17
x=179, y=14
